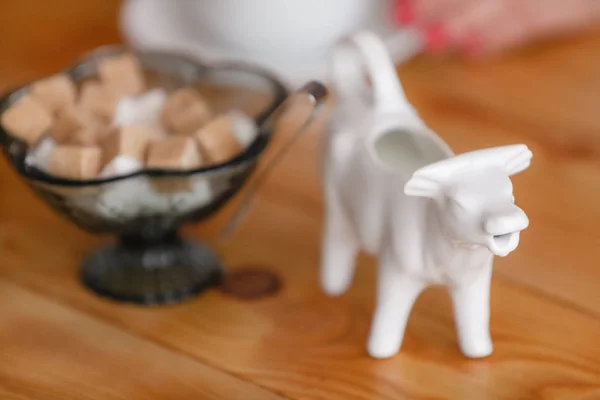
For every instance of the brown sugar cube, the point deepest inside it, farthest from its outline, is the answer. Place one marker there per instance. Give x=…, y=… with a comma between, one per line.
x=175, y=152
x=185, y=112
x=90, y=135
x=217, y=140
x=27, y=120
x=130, y=141
x=75, y=125
x=123, y=74
x=74, y=162
x=98, y=100
x=54, y=93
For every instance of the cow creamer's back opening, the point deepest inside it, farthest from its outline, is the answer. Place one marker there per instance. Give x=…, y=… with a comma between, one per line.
x=405, y=150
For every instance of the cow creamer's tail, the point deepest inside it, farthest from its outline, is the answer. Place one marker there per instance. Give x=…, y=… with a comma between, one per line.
x=396, y=137
x=365, y=56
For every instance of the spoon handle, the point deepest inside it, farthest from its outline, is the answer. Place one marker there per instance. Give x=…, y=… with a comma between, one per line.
x=309, y=100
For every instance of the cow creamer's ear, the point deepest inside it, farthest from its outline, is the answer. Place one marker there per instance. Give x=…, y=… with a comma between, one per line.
x=512, y=158
x=519, y=161
x=421, y=186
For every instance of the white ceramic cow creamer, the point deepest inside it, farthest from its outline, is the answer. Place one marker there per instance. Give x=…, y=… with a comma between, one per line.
x=395, y=190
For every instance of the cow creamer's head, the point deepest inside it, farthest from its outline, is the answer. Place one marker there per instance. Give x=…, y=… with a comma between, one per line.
x=475, y=196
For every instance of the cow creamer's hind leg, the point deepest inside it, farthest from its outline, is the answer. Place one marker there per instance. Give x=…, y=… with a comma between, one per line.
x=472, y=316
x=339, y=250
x=396, y=295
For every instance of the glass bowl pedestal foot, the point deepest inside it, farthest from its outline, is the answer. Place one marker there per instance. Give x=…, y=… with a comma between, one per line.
x=151, y=271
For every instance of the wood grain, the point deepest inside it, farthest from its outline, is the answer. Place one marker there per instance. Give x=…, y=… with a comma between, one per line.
x=300, y=344
x=41, y=37
x=307, y=346
x=52, y=352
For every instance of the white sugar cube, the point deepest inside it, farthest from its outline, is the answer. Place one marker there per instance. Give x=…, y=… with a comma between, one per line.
x=200, y=195
x=141, y=110
x=39, y=156
x=120, y=166
x=126, y=199
x=244, y=127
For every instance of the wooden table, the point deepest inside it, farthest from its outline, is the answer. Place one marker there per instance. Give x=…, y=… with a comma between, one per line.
x=58, y=341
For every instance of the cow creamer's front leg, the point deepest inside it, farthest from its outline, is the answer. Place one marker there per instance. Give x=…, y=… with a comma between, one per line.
x=472, y=315
x=339, y=250
x=396, y=295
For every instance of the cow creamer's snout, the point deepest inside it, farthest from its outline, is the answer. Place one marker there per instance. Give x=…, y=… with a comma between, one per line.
x=513, y=219
x=504, y=229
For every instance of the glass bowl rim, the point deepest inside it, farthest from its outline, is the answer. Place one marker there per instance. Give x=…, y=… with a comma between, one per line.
x=278, y=89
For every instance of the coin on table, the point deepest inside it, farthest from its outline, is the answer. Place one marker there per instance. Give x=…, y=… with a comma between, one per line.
x=251, y=283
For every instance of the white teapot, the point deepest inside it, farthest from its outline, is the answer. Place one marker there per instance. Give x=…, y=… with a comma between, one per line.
x=290, y=37
x=394, y=189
